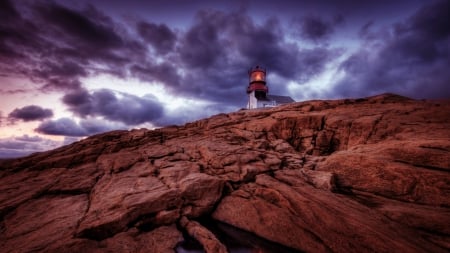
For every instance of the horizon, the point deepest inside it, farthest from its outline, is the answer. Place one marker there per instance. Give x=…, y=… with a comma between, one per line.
x=70, y=70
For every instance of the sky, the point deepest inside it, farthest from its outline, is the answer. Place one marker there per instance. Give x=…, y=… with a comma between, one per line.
x=70, y=69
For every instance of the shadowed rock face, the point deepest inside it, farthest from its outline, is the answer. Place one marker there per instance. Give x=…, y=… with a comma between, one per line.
x=348, y=175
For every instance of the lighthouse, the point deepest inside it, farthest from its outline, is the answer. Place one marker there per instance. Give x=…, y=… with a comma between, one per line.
x=258, y=92
x=257, y=89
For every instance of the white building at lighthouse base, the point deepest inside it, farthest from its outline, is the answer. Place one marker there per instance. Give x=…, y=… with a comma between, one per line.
x=267, y=101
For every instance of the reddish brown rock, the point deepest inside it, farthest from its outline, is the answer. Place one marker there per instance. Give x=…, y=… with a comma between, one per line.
x=163, y=239
x=200, y=193
x=287, y=210
x=17, y=188
x=40, y=224
x=209, y=242
x=379, y=175
x=119, y=200
x=351, y=175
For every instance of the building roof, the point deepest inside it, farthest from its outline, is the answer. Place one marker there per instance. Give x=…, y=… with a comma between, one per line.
x=281, y=99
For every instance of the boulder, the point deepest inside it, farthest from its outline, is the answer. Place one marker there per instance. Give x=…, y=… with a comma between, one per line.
x=206, y=238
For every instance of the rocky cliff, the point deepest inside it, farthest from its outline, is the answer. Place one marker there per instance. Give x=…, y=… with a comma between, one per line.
x=353, y=175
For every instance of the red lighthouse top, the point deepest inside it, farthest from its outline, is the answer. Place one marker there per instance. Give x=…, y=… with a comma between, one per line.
x=257, y=81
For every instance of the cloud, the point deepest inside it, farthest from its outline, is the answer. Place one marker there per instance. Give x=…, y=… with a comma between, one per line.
x=68, y=127
x=17, y=37
x=88, y=37
x=93, y=31
x=201, y=46
x=364, y=31
x=413, y=61
x=65, y=69
x=316, y=28
x=165, y=73
x=211, y=58
x=313, y=61
x=121, y=107
x=27, y=138
x=55, y=45
x=160, y=36
x=63, y=126
x=94, y=126
x=216, y=52
x=12, y=147
x=79, y=101
x=30, y=113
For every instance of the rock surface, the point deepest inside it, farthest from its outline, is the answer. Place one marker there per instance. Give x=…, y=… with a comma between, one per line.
x=351, y=175
x=209, y=241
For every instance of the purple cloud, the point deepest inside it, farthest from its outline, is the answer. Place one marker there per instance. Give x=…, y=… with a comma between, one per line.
x=316, y=28
x=63, y=126
x=413, y=61
x=30, y=113
x=27, y=138
x=219, y=48
x=55, y=45
x=160, y=36
x=129, y=109
x=208, y=60
x=88, y=29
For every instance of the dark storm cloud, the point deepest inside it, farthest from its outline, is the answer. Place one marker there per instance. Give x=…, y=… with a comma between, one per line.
x=201, y=46
x=122, y=107
x=55, y=45
x=65, y=69
x=68, y=127
x=17, y=35
x=316, y=28
x=88, y=37
x=79, y=101
x=266, y=44
x=8, y=11
x=160, y=36
x=215, y=53
x=414, y=61
x=365, y=29
x=78, y=28
x=220, y=47
x=30, y=113
x=165, y=73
